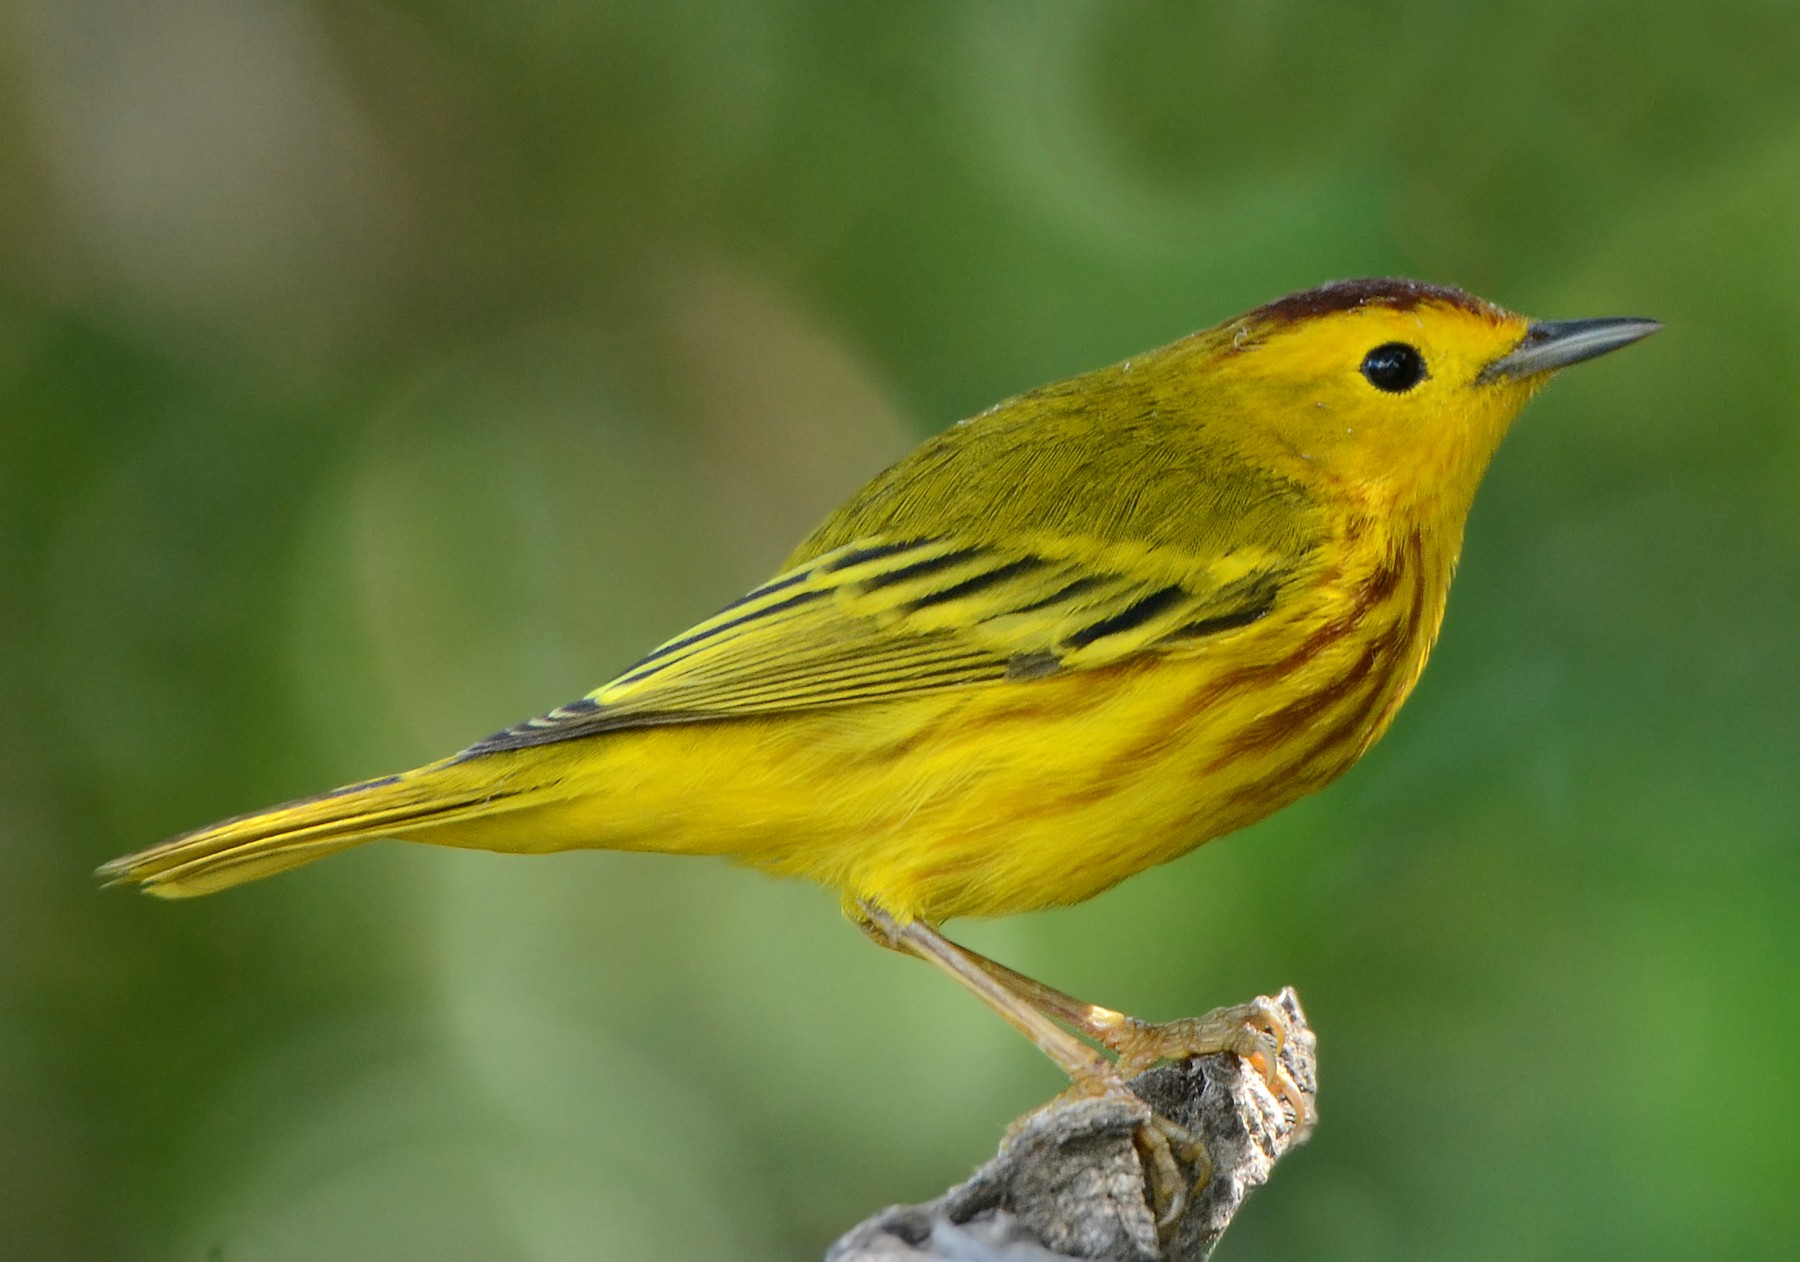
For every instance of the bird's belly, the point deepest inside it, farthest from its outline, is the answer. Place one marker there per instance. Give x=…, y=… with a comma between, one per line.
x=1053, y=805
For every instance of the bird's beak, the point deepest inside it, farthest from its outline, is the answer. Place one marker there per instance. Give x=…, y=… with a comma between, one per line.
x=1552, y=344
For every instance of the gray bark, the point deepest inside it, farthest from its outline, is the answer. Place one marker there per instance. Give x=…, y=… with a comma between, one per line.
x=1068, y=1182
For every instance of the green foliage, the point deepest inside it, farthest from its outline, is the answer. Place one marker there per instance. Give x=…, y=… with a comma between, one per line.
x=374, y=376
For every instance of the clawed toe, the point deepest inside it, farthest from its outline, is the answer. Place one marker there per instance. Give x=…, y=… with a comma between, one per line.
x=1256, y=1031
x=1164, y=1147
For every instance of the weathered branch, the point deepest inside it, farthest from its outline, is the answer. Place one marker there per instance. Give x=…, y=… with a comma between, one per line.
x=1068, y=1182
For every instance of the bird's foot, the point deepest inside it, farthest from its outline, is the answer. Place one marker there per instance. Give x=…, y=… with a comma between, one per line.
x=1175, y=1161
x=1164, y=1148
x=1256, y=1031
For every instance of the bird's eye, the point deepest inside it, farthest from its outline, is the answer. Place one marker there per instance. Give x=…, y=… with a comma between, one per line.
x=1394, y=367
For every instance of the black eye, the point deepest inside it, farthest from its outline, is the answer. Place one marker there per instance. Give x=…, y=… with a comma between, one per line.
x=1394, y=367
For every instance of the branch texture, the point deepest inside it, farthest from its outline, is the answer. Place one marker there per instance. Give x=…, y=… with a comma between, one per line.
x=1068, y=1182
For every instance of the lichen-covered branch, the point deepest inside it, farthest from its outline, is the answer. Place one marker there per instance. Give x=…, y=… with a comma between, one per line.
x=1068, y=1182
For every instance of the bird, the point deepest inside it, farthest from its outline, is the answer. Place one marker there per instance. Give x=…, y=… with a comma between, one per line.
x=1063, y=641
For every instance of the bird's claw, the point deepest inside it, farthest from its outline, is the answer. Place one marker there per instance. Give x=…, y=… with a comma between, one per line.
x=1257, y=1031
x=1164, y=1147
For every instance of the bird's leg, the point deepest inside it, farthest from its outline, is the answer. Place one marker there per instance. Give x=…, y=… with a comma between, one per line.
x=1088, y=1069
x=1157, y=1139
x=1255, y=1031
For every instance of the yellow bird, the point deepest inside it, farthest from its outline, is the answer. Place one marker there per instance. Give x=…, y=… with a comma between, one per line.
x=1065, y=640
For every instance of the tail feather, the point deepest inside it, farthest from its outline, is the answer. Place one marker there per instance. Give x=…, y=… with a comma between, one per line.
x=262, y=843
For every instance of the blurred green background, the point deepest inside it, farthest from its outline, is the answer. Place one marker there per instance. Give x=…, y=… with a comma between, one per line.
x=375, y=375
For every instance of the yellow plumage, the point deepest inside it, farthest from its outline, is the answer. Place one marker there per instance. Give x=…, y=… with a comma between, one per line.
x=1066, y=640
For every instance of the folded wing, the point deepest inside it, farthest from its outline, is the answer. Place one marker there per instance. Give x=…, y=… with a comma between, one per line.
x=881, y=619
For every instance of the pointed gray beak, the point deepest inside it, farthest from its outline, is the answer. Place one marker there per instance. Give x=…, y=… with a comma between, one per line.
x=1552, y=344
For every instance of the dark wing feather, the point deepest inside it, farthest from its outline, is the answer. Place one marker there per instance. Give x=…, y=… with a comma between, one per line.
x=881, y=619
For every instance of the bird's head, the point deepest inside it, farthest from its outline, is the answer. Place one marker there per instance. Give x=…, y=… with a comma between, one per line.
x=1397, y=391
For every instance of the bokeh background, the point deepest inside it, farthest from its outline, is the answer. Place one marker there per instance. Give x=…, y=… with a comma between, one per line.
x=373, y=375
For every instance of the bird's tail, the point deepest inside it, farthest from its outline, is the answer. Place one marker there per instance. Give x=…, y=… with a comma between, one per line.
x=427, y=803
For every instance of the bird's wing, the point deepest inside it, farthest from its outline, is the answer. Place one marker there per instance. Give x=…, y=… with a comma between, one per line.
x=885, y=618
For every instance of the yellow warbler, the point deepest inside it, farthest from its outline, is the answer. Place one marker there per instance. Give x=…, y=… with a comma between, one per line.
x=1067, y=639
